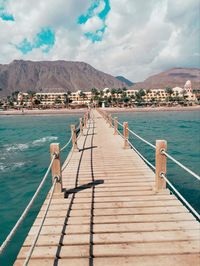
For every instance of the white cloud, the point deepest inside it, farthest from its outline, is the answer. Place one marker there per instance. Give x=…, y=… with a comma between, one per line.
x=141, y=38
x=92, y=24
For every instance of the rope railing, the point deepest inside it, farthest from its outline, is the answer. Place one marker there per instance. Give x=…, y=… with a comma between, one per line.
x=181, y=197
x=143, y=158
x=137, y=136
x=67, y=144
x=180, y=165
x=159, y=152
x=25, y=212
x=41, y=224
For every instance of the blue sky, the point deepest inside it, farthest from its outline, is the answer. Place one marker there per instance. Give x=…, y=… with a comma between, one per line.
x=121, y=37
x=4, y=15
x=45, y=40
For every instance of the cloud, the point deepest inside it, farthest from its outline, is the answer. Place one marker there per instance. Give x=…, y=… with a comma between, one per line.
x=93, y=23
x=127, y=37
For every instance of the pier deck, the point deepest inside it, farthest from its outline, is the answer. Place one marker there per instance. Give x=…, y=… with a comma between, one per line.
x=110, y=214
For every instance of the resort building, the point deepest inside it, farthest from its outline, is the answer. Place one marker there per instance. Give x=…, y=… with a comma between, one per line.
x=53, y=99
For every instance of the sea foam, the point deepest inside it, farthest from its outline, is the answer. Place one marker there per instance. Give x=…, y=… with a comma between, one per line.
x=43, y=140
x=15, y=147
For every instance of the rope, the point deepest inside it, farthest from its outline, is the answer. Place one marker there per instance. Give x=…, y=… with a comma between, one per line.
x=41, y=224
x=12, y=232
x=65, y=146
x=181, y=197
x=180, y=164
x=143, y=158
x=165, y=153
x=145, y=141
x=133, y=147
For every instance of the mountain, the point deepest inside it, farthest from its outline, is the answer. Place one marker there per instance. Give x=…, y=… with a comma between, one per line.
x=53, y=76
x=175, y=77
x=123, y=79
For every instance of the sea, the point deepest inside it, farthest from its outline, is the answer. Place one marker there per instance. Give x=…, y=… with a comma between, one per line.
x=24, y=158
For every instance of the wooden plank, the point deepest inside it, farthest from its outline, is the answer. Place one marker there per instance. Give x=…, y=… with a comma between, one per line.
x=105, y=238
x=115, y=211
x=178, y=260
x=141, y=249
x=81, y=251
x=59, y=262
x=159, y=260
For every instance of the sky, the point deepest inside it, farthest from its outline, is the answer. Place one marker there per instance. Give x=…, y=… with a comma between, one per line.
x=132, y=38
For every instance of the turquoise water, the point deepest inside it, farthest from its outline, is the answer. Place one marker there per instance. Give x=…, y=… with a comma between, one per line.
x=24, y=157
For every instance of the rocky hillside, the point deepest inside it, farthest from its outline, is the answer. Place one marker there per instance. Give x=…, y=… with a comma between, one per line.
x=125, y=80
x=171, y=78
x=56, y=76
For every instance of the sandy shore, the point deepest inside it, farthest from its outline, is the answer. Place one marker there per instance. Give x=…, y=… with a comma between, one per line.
x=108, y=109
x=43, y=112
x=152, y=109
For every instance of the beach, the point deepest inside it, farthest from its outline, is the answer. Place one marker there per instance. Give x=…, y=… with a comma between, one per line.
x=43, y=112
x=108, y=109
x=153, y=109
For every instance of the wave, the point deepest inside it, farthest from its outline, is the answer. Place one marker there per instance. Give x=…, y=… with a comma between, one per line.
x=43, y=140
x=4, y=167
x=20, y=147
x=25, y=146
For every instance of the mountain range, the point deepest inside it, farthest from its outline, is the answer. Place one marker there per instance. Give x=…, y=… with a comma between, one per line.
x=174, y=77
x=59, y=76
x=53, y=76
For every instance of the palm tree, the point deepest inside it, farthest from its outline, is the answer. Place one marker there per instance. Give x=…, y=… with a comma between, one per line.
x=95, y=94
x=148, y=91
x=67, y=98
x=169, y=92
x=139, y=96
x=113, y=93
x=31, y=95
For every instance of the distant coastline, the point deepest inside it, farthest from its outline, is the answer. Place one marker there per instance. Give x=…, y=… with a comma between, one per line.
x=37, y=112
x=153, y=109
x=108, y=109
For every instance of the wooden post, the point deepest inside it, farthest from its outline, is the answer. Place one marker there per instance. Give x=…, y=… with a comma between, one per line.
x=125, y=131
x=115, y=126
x=110, y=120
x=56, y=166
x=106, y=118
x=161, y=164
x=85, y=121
x=81, y=125
x=74, y=139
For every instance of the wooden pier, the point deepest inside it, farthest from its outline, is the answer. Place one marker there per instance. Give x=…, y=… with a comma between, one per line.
x=110, y=212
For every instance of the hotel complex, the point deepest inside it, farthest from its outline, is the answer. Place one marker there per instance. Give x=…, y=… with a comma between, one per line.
x=50, y=99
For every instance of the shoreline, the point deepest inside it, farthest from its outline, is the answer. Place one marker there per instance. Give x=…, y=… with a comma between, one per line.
x=152, y=109
x=36, y=112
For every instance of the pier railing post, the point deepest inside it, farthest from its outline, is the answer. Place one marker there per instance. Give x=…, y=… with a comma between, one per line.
x=110, y=120
x=85, y=121
x=81, y=125
x=126, y=135
x=74, y=138
x=161, y=164
x=56, y=166
x=115, y=126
